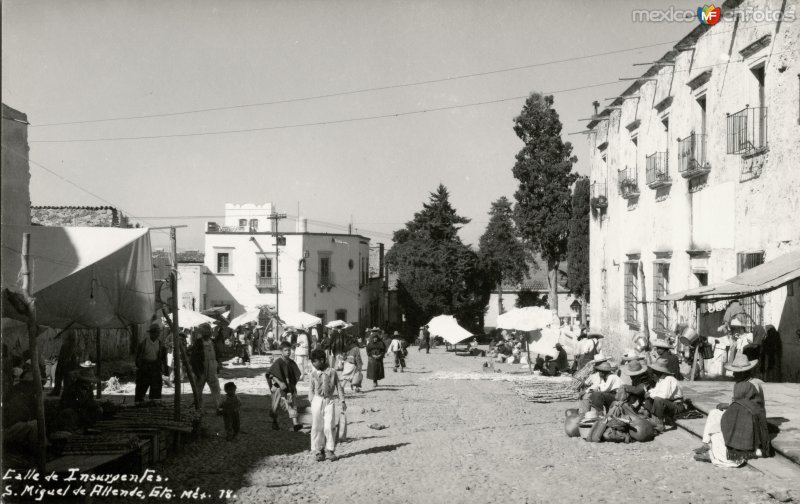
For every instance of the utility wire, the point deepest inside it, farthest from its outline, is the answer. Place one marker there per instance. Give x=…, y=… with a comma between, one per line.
x=363, y=118
x=379, y=88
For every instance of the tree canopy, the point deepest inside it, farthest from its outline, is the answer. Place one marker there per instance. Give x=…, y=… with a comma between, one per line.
x=437, y=273
x=501, y=248
x=544, y=170
x=578, y=243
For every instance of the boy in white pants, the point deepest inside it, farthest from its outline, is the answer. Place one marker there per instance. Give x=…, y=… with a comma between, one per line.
x=324, y=387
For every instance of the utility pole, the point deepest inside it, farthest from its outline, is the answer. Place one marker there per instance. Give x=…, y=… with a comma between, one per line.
x=276, y=217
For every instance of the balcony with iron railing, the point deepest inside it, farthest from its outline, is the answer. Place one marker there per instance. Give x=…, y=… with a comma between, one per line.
x=692, y=160
x=266, y=282
x=658, y=170
x=599, y=196
x=747, y=131
x=628, y=182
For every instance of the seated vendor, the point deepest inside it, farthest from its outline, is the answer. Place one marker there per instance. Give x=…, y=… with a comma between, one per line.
x=665, y=399
x=603, y=385
x=737, y=432
x=664, y=351
x=635, y=393
x=561, y=362
x=628, y=356
x=549, y=367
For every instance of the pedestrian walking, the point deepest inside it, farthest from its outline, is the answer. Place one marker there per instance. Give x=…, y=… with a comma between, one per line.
x=426, y=339
x=396, y=347
x=351, y=370
x=282, y=378
x=376, y=350
x=230, y=411
x=325, y=386
x=205, y=364
x=151, y=361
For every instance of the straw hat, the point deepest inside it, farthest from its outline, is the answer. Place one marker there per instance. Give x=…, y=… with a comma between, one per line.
x=660, y=343
x=630, y=355
x=662, y=366
x=741, y=363
x=736, y=322
x=595, y=335
x=603, y=366
x=155, y=327
x=396, y=334
x=599, y=358
x=634, y=368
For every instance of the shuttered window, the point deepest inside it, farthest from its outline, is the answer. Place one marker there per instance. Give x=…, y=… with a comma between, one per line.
x=631, y=293
x=660, y=289
x=753, y=306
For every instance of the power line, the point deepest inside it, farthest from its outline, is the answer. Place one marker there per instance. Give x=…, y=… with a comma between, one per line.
x=355, y=91
x=363, y=118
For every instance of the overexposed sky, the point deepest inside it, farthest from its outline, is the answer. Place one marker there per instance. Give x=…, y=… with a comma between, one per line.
x=79, y=60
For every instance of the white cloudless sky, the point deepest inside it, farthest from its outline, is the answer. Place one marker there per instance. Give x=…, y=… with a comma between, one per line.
x=77, y=60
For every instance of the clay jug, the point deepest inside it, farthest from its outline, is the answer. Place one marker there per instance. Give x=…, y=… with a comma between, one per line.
x=572, y=425
x=641, y=430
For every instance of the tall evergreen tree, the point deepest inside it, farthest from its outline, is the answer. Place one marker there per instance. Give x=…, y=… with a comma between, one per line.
x=544, y=171
x=437, y=273
x=501, y=249
x=578, y=244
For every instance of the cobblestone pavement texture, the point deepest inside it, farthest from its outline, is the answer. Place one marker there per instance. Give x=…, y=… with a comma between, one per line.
x=470, y=441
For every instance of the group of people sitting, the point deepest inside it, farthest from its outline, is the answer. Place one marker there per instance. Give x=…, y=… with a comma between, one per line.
x=733, y=432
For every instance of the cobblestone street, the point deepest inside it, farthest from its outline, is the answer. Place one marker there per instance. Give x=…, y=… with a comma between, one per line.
x=455, y=441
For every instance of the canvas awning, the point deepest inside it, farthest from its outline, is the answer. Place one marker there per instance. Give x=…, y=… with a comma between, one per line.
x=446, y=326
x=763, y=278
x=90, y=277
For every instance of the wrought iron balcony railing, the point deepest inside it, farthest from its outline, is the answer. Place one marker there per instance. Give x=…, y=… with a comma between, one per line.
x=599, y=196
x=747, y=130
x=628, y=182
x=692, y=161
x=266, y=282
x=657, y=170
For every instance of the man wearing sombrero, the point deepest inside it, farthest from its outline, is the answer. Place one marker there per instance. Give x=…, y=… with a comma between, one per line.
x=635, y=393
x=602, y=384
x=664, y=351
x=151, y=363
x=666, y=398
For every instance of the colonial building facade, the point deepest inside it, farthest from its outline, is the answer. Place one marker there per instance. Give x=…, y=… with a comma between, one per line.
x=695, y=178
x=324, y=274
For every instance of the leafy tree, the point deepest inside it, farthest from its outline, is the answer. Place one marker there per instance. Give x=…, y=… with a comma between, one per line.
x=544, y=172
x=527, y=297
x=437, y=273
x=578, y=244
x=501, y=249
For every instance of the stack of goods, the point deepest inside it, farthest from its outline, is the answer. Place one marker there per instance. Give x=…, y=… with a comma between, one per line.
x=153, y=414
x=549, y=389
x=620, y=425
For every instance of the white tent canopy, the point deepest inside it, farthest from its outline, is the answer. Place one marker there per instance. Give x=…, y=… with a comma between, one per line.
x=446, y=326
x=529, y=318
x=90, y=277
x=189, y=319
x=340, y=324
x=300, y=320
x=244, y=318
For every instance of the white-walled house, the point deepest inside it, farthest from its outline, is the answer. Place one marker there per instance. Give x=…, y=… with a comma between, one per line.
x=325, y=274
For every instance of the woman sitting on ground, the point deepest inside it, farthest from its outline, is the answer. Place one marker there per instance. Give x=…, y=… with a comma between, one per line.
x=737, y=432
x=666, y=397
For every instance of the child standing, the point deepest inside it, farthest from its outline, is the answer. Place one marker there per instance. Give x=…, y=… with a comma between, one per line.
x=324, y=385
x=230, y=411
x=282, y=377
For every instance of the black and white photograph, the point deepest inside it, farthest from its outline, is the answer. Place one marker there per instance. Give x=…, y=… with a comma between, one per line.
x=400, y=251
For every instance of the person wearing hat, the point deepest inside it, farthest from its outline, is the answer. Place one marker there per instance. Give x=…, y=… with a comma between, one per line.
x=205, y=365
x=639, y=382
x=737, y=432
x=424, y=339
x=561, y=362
x=665, y=399
x=151, y=363
x=664, y=351
x=588, y=347
x=396, y=347
x=603, y=385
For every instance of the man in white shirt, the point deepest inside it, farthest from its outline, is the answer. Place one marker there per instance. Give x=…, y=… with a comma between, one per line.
x=603, y=385
x=666, y=398
x=301, y=353
x=396, y=346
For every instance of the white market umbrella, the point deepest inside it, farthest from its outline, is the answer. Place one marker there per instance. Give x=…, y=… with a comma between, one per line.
x=300, y=320
x=446, y=326
x=529, y=318
x=338, y=324
x=189, y=319
x=244, y=318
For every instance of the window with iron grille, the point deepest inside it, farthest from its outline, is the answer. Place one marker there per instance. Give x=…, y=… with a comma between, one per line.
x=660, y=289
x=631, y=293
x=753, y=306
x=324, y=270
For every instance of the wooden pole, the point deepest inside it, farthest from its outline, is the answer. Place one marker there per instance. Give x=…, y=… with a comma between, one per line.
x=97, y=350
x=190, y=374
x=697, y=347
x=645, y=317
x=176, y=361
x=41, y=451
